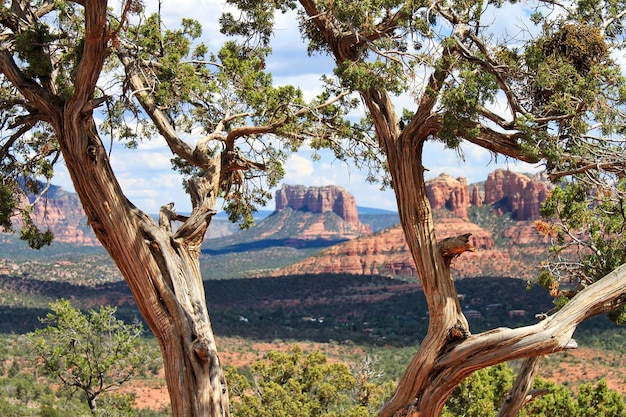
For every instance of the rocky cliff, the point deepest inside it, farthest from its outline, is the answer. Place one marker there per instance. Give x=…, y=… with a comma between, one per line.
x=450, y=193
x=515, y=193
x=386, y=253
x=62, y=213
x=330, y=198
x=503, y=193
x=507, y=191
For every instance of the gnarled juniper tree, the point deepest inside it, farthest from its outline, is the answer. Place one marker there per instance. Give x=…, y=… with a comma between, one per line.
x=64, y=66
x=549, y=91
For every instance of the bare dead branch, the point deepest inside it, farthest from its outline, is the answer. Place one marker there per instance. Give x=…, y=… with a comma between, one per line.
x=522, y=392
x=167, y=215
x=452, y=247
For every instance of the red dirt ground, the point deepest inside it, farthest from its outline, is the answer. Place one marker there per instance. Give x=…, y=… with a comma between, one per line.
x=574, y=367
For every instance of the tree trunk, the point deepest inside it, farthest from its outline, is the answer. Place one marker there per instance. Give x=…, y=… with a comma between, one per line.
x=447, y=324
x=449, y=353
x=91, y=401
x=161, y=267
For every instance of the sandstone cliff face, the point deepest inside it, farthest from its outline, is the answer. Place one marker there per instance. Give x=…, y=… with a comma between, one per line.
x=64, y=216
x=515, y=193
x=450, y=193
x=477, y=198
x=386, y=253
x=507, y=191
x=329, y=198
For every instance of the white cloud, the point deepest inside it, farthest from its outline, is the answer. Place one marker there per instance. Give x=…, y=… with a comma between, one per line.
x=298, y=169
x=150, y=192
x=302, y=170
x=310, y=84
x=475, y=164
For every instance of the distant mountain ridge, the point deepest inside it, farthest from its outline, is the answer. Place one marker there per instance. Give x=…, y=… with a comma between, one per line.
x=502, y=211
x=498, y=212
x=304, y=216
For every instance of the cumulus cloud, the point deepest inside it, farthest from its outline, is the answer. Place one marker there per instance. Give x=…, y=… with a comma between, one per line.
x=298, y=169
x=149, y=193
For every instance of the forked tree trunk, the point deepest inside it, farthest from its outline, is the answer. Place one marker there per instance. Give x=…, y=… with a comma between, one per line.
x=449, y=353
x=161, y=268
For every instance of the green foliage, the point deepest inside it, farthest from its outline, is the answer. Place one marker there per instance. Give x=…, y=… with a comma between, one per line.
x=92, y=352
x=599, y=400
x=572, y=81
x=592, y=400
x=294, y=384
x=223, y=96
x=8, y=205
x=588, y=238
x=31, y=233
x=25, y=393
x=30, y=46
x=482, y=394
x=463, y=100
x=227, y=96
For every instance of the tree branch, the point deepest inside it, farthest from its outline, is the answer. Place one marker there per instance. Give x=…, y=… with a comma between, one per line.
x=94, y=52
x=498, y=142
x=452, y=247
x=434, y=374
x=49, y=106
x=521, y=392
x=158, y=117
x=167, y=215
x=616, y=167
x=548, y=336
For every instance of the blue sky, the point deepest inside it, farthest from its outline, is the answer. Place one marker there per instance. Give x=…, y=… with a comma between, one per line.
x=145, y=173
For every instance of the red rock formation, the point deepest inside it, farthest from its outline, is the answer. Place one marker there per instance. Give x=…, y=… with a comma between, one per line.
x=515, y=193
x=386, y=253
x=64, y=216
x=320, y=200
x=450, y=193
x=477, y=199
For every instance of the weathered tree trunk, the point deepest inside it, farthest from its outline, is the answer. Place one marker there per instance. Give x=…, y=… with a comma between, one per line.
x=91, y=401
x=449, y=353
x=160, y=266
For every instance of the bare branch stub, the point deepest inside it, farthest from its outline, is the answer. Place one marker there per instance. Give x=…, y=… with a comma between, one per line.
x=451, y=247
x=167, y=215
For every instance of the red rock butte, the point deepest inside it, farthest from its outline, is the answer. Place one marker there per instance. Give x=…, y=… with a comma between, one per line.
x=319, y=200
x=508, y=191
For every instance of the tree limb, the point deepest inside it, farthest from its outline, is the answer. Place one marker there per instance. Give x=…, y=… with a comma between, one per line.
x=498, y=142
x=521, y=392
x=436, y=374
x=94, y=52
x=49, y=106
x=452, y=247
x=158, y=117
